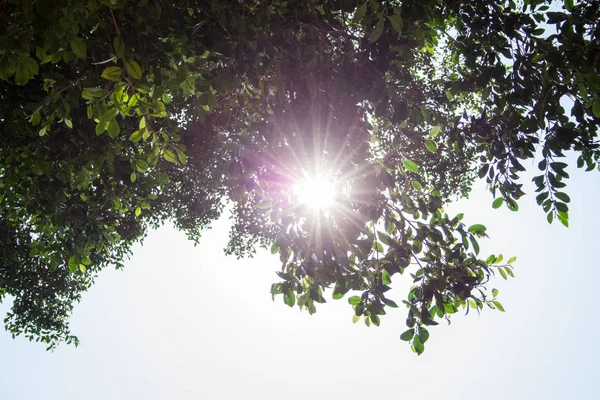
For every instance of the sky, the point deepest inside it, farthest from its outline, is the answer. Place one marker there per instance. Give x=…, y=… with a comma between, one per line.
x=185, y=322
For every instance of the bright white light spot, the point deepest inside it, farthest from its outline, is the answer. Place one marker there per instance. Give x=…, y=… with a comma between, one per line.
x=316, y=192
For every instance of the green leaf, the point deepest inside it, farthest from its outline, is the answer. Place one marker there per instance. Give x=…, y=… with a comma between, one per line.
x=133, y=69
x=377, y=31
x=596, y=108
x=170, y=156
x=274, y=249
x=411, y=166
x=35, y=118
x=423, y=334
x=113, y=128
x=475, y=244
x=354, y=300
x=563, y=217
x=418, y=345
x=136, y=136
x=112, y=73
x=498, y=202
x=181, y=156
x=477, y=228
x=360, y=12
x=562, y=196
x=26, y=70
x=431, y=146
x=417, y=185
x=512, y=205
x=501, y=270
x=355, y=318
x=498, y=305
x=569, y=5
x=435, y=131
x=397, y=22
x=138, y=211
x=141, y=165
x=119, y=46
x=290, y=298
x=82, y=268
x=377, y=246
x=407, y=335
x=511, y=260
x=78, y=47
x=495, y=292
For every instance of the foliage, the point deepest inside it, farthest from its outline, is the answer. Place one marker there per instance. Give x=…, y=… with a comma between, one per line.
x=117, y=116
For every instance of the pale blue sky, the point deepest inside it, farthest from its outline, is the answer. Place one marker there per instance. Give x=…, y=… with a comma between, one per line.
x=185, y=322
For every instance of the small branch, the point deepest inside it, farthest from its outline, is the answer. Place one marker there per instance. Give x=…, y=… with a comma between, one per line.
x=115, y=21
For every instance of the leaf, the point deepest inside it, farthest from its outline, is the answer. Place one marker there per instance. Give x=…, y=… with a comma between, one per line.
x=119, y=46
x=113, y=128
x=181, y=156
x=112, y=73
x=498, y=202
x=133, y=69
x=596, y=108
x=483, y=170
x=397, y=22
x=360, y=12
x=78, y=47
x=26, y=70
x=265, y=205
x=377, y=31
x=354, y=300
x=562, y=196
x=435, y=131
x=495, y=292
x=355, y=318
x=138, y=211
x=512, y=205
x=417, y=185
x=475, y=244
x=136, y=136
x=423, y=334
x=411, y=166
x=407, y=335
x=431, y=146
x=274, y=249
x=82, y=268
x=170, y=156
x=377, y=246
x=35, y=118
x=418, y=345
x=477, y=228
x=290, y=298
x=498, y=305
x=511, y=260
x=501, y=270
x=569, y=5
x=141, y=165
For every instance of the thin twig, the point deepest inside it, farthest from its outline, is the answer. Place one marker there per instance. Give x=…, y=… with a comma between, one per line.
x=114, y=21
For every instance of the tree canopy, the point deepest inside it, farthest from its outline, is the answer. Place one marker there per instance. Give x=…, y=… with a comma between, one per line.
x=118, y=116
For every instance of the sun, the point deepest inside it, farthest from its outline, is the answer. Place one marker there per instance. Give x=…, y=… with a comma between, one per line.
x=316, y=192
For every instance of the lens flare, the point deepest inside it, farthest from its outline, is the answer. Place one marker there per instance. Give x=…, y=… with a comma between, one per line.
x=316, y=192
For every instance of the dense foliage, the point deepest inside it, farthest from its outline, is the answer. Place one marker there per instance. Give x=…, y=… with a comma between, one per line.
x=117, y=116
